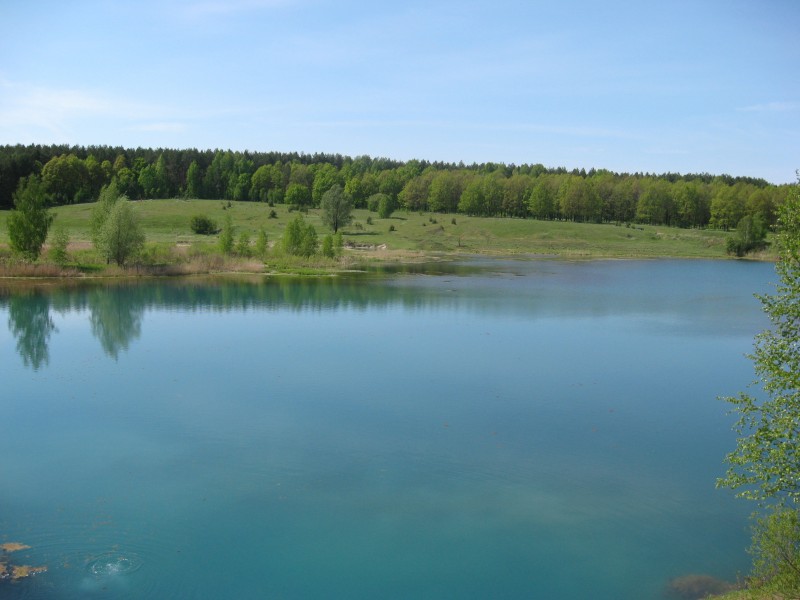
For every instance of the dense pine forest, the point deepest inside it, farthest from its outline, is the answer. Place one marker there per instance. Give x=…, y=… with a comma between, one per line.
x=74, y=174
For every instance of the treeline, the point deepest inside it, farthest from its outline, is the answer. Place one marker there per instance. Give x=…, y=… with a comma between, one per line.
x=72, y=174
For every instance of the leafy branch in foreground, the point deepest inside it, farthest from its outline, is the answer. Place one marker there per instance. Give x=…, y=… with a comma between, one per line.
x=765, y=466
x=766, y=463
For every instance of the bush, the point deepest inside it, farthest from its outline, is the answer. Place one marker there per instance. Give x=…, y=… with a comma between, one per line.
x=327, y=246
x=776, y=553
x=59, y=240
x=243, y=245
x=273, y=214
x=373, y=202
x=369, y=220
x=391, y=228
x=202, y=225
x=750, y=235
x=226, y=237
x=300, y=238
x=385, y=206
x=261, y=244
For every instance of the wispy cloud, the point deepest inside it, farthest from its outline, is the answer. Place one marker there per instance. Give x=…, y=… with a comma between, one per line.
x=772, y=107
x=27, y=109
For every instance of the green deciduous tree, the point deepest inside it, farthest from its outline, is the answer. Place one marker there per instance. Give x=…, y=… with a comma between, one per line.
x=750, y=235
x=59, y=240
x=765, y=466
x=327, y=246
x=262, y=244
x=121, y=237
x=30, y=220
x=337, y=208
x=297, y=195
x=109, y=195
x=766, y=462
x=226, y=236
x=194, y=181
x=325, y=177
x=300, y=238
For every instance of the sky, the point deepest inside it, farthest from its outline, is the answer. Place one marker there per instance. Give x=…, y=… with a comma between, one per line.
x=700, y=86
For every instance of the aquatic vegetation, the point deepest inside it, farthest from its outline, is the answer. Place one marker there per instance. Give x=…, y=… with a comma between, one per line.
x=695, y=587
x=15, y=572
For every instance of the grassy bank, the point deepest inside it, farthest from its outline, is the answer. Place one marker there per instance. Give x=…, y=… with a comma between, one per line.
x=404, y=236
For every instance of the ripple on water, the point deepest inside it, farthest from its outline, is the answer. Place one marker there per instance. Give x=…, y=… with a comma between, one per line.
x=112, y=564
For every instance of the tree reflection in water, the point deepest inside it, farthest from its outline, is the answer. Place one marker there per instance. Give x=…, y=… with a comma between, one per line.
x=116, y=318
x=30, y=323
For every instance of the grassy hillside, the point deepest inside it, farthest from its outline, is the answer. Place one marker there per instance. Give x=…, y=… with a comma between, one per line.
x=167, y=222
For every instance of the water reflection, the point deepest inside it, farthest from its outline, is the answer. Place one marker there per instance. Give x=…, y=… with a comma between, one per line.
x=30, y=323
x=706, y=299
x=116, y=318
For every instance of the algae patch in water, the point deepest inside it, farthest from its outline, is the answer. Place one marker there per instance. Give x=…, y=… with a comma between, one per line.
x=9, y=572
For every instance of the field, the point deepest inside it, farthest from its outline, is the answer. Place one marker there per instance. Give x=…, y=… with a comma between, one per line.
x=406, y=235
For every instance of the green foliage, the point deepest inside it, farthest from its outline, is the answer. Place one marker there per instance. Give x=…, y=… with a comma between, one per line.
x=262, y=244
x=776, y=554
x=109, y=195
x=766, y=462
x=121, y=237
x=337, y=208
x=226, y=236
x=30, y=220
x=203, y=225
x=327, y=246
x=194, y=181
x=373, y=201
x=750, y=235
x=59, y=240
x=243, y=245
x=385, y=206
x=297, y=195
x=300, y=238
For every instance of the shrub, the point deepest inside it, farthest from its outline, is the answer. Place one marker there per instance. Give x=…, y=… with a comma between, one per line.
x=226, y=237
x=243, y=245
x=391, y=228
x=385, y=206
x=327, y=246
x=261, y=243
x=300, y=238
x=59, y=240
x=776, y=552
x=202, y=225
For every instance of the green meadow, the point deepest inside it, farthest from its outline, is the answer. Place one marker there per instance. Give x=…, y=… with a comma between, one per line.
x=403, y=236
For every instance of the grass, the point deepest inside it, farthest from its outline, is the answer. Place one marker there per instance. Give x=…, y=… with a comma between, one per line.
x=415, y=236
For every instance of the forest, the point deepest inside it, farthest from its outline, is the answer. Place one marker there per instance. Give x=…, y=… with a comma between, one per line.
x=76, y=174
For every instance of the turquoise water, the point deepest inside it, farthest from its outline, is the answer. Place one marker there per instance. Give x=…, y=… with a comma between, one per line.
x=492, y=429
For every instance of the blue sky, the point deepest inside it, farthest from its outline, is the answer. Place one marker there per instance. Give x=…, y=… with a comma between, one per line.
x=700, y=86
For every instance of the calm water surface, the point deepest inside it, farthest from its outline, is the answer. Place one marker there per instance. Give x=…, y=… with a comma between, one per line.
x=493, y=429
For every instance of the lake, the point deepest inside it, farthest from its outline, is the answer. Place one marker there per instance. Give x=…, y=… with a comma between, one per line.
x=483, y=429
